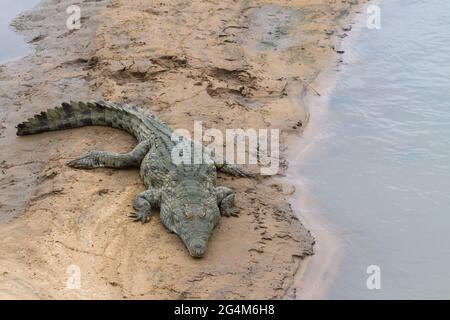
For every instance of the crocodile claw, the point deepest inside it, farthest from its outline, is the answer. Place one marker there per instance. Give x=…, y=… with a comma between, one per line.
x=139, y=216
x=231, y=212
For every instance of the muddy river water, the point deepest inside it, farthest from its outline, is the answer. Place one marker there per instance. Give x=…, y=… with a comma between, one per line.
x=12, y=44
x=378, y=165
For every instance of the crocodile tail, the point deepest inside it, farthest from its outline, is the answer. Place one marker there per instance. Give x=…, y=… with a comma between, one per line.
x=80, y=114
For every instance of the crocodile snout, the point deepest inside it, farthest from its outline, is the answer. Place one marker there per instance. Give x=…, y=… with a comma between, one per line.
x=197, y=248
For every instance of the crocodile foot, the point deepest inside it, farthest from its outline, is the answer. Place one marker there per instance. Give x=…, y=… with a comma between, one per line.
x=228, y=212
x=236, y=171
x=143, y=217
x=89, y=161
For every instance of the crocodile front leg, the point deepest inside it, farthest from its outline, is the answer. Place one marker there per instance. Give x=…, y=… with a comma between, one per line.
x=104, y=159
x=143, y=204
x=225, y=200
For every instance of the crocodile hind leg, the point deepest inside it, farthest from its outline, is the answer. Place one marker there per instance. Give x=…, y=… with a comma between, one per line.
x=225, y=200
x=143, y=204
x=234, y=170
x=104, y=159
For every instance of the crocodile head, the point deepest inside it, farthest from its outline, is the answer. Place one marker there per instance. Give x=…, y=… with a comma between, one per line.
x=190, y=210
x=194, y=223
x=193, y=219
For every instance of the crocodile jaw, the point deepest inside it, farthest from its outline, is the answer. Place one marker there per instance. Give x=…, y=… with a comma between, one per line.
x=197, y=248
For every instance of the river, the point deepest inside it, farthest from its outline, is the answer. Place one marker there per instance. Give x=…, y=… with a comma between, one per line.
x=377, y=168
x=12, y=44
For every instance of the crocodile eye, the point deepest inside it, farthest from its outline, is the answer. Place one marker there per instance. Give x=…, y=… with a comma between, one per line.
x=187, y=214
x=173, y=175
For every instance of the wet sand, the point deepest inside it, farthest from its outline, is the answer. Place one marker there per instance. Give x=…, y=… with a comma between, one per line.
x=317, y=272
x=246, y=64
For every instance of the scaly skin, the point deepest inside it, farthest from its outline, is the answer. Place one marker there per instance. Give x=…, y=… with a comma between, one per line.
x=190, y=202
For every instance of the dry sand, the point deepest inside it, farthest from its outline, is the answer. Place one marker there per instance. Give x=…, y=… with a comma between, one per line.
x=233, y=64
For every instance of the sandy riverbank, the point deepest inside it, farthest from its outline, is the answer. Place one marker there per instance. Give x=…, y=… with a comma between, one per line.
x=231, y=65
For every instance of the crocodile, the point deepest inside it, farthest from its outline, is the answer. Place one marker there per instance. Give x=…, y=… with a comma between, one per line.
x=186, y=194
